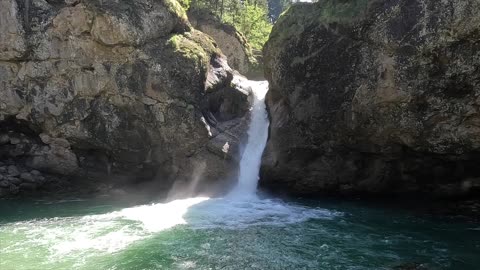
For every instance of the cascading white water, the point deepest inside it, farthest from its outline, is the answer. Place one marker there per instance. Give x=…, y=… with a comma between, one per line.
x=257, y=138
x=81, y=239
x=242, y=207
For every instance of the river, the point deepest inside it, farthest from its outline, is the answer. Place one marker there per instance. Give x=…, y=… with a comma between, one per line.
x=242, y=230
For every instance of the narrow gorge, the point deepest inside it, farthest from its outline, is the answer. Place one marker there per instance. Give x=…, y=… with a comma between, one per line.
x=206, y=134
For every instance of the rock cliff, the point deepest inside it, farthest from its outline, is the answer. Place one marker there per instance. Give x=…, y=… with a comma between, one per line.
x=117, y=90
x=374, y=97
x=232, y=43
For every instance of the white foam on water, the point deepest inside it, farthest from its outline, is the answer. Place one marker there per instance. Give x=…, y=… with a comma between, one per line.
x=242, y=207
x=237, y=214
x=159, y=217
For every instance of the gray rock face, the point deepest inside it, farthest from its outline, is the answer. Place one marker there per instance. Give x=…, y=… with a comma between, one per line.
x=4, y=184
x=13, y=171
x=374, y=97
x=27, y=177
x=56, y=156
x=232, y=43
x=101, y=88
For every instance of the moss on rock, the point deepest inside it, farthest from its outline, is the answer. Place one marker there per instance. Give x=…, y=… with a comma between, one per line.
x=176, y=8
x=195, y=46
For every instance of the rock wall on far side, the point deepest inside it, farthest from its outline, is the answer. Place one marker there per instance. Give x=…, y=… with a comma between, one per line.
x=374, y=97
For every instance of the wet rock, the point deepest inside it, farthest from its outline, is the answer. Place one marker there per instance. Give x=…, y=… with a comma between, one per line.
x=13, y=190
x=27, y=177
x=35, y=172
x=13, y=170
x=4, y=184
x=3, y=169
x=57, y=158
x=27, y=186
x=15, y=140
x=4, y=139
x=14, y=180
x=40, y=179
x=19, y=150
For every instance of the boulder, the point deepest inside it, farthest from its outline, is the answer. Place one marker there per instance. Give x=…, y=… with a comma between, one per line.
x=57, y=157
x=4, y=139
x=27, y=177
x=14, y=180
x=13, y=170
x=374, y=97
x=4, y=184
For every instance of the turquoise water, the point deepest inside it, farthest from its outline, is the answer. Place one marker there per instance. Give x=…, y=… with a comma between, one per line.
x=204, y=233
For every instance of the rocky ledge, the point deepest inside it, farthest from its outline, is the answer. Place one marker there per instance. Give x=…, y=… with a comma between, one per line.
x=13, y=180
x=375, y=97
x=232, y=43
x=118, y=92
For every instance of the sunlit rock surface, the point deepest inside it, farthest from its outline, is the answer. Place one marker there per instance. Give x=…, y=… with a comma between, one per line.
x=119, y=91
x=232, y=43
x=374, y=97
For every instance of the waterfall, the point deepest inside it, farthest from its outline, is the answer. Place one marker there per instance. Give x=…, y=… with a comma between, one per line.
x=257, y=139
x=85, y=238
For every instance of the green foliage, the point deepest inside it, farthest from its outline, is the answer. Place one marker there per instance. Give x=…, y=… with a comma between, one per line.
x=185, y=3
x=176, y=7
x=250, y=17
x=253, y=22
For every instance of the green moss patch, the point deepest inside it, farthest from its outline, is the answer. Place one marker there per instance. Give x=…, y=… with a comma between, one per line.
x=194, y=46
x=176, y=8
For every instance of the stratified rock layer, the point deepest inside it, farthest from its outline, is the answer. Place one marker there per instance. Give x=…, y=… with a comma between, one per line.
x=374, y=97
x=119, y=88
